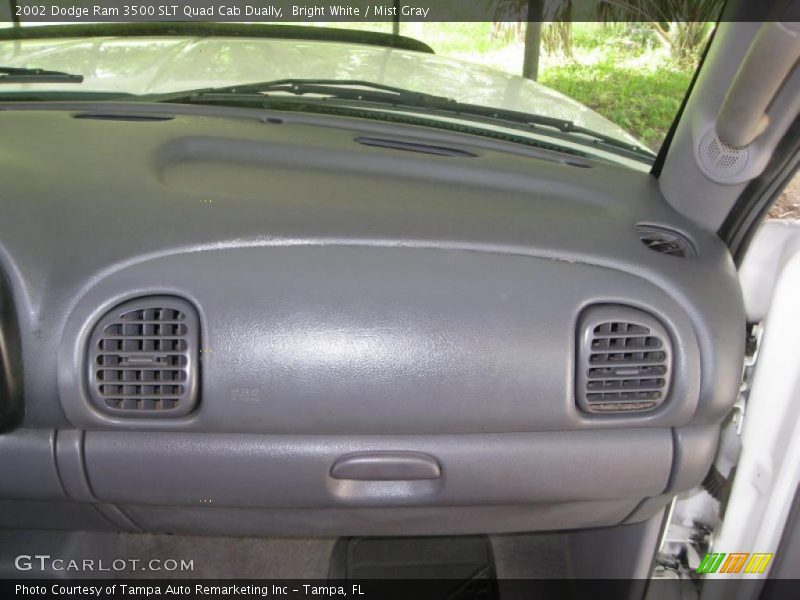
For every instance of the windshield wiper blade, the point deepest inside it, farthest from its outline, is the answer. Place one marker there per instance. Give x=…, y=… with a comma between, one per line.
x=23, y=75
x=369, y=92
x=344, y=89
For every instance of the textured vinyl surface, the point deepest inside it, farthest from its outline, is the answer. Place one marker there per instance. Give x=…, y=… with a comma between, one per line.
x=350, y=297
x=476, y=246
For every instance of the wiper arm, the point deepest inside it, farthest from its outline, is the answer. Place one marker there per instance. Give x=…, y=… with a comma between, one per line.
x=562, y=126
x=344, y=89
x=23, y=75
x=365, y=91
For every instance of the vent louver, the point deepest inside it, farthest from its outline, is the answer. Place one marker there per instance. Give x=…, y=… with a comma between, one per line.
x=666, y=241
x=143, y=359
x=142, y=118
x=414, y=147
x=624, y=361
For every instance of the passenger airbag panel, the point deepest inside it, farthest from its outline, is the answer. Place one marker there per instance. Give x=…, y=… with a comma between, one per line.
x=347, y=340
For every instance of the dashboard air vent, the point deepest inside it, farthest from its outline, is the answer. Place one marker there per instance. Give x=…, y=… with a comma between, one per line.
x=122, y=117
x=624, y=361
x=414, y=147
x=666, y=241
x=143, y=359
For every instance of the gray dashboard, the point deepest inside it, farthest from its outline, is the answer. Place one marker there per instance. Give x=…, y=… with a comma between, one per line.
x=352, y=300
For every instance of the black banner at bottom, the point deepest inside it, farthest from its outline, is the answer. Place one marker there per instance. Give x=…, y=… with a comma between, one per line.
x=418, y=589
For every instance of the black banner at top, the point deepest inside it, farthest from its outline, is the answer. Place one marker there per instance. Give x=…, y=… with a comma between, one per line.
x=277, y=11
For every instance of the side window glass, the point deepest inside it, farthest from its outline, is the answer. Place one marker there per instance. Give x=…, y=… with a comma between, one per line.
x=787, y=206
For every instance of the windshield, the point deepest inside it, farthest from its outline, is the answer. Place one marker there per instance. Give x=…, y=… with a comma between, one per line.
x=618, y=80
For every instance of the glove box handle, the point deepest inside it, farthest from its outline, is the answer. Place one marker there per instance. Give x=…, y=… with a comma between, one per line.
x=386, y=466
x=385, y=478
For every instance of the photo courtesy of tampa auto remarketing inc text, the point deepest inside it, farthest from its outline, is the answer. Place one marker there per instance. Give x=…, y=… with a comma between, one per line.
x=400, y=299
